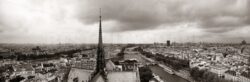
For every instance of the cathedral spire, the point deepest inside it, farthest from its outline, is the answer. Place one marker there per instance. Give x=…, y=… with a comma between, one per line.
x=100, y=58
x=100, y=50
x=100, y=30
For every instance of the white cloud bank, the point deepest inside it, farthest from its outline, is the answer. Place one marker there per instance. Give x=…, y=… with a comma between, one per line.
x=124, y=21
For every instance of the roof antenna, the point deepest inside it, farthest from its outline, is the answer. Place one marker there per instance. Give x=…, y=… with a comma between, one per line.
x=100, y=11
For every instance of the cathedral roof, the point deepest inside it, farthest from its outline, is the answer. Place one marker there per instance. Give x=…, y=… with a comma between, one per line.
x=130, y=76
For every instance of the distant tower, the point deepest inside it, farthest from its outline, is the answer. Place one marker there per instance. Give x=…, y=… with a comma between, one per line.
x=36, y=50
x=168, y=42
x=243, y=42
x=243, y=45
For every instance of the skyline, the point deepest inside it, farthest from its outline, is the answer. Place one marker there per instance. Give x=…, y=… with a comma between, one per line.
x=126, y=21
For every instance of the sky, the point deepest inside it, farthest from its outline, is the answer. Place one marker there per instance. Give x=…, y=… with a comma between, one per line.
x=124, y=21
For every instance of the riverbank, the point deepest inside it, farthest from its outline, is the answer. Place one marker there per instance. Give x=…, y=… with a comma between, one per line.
x=181, y=73
x=157, y=78
x=165, y=76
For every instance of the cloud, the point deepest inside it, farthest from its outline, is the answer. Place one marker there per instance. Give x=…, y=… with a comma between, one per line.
x=212, y=15
x=77, y=20
x=47, y=21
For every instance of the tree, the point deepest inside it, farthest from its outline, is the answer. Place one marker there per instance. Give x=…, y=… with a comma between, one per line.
x=30, y=77
x=145, y=74
x=205, y=75
x=194, y=73
x=248, y=60
x=216, y=79
x=75, y=79
x=243, y=42
x=17, y=79
x=1, y=57
x=210, y=77
x=2, y=78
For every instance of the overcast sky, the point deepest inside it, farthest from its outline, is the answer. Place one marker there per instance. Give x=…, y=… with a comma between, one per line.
x=124, y=21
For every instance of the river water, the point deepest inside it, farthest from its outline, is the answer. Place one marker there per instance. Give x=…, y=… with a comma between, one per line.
x=165, y=76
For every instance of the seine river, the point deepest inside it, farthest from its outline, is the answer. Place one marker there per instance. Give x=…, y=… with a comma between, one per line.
x=165, y=76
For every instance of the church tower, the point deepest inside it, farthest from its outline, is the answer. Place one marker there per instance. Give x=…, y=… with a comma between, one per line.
x=100, y=59
x=100, y=51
